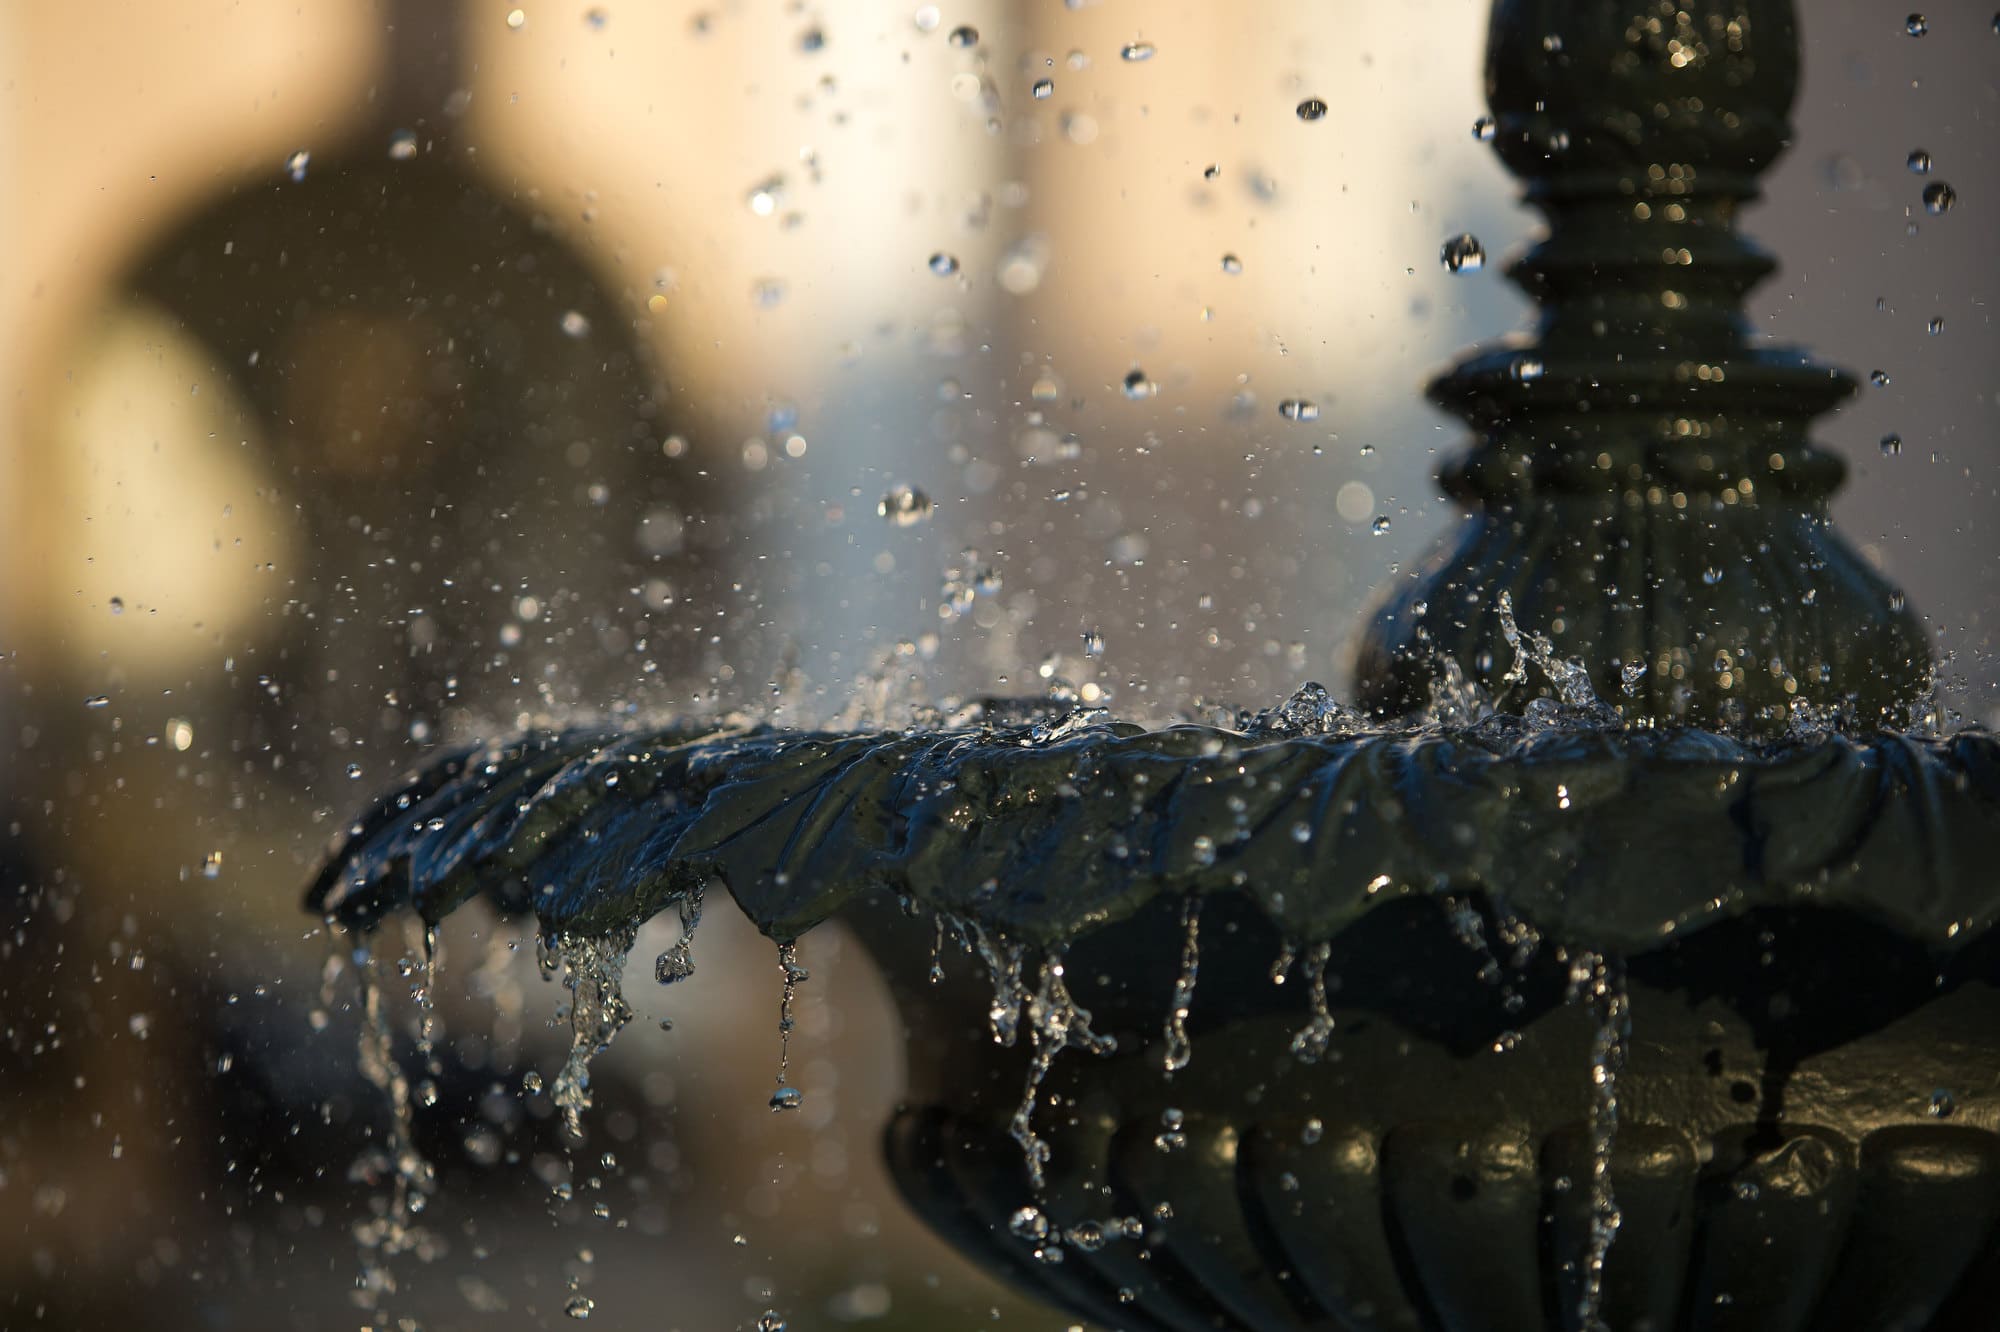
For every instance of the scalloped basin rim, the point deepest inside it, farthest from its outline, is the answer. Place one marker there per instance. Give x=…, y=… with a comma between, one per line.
x=1619, y=839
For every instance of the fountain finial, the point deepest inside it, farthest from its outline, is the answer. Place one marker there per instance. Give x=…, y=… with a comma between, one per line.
x=1641, y=483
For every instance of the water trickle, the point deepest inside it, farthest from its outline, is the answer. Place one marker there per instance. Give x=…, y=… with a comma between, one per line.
x=391, y=1229
x=1180, y=1052
x=787, y=1097
x=1598, y=980
x=1004, y=961
x=1055, y=1022
x=1311, y=1043
x=593, y=972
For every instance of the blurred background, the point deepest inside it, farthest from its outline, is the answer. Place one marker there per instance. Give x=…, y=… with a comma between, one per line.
x=374, y=375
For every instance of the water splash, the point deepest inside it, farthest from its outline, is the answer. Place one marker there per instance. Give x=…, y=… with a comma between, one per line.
x=1281, y=966
x=1180, y=1052
x=593, y=971
x=1310, y=1045
x=788, y=1097
x=1598, y=980
x=1578, y=703
x=1055, y=1022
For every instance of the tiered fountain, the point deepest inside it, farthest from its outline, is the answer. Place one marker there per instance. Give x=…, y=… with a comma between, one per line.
x=1621, y=967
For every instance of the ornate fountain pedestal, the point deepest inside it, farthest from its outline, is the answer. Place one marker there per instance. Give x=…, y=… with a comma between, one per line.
x=1670, y=1005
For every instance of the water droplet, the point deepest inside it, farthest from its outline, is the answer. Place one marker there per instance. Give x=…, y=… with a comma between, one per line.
x=1891, y=445
x=1093, y=644
x=1629, y=676
x=402, y=145
x=354, y=771
x=1920, y=162
x=296, y=164
x=1231, y=264
x=1211, y=171
x=942, y=264
x=1711, y=575
x=596, y=17
x=1527, y=369
x=769, y=1321
x=1942, y=1104
x=579, y=1306
x=962, y=36
x=1379, y=526
x=1939, y=198
x=1482, y=129
x=1301, y=410
x=1916, y=25
x=1138, y=387
x=1935, y=327
x=787, y=1098
x=1463, y=254
x=211, y=865
x=1044, y=89
x=1312, y=109
x=517, y=19
x=765, y=196
x=905, y=506
x=927, y=18
x=1879, y=378
x=1136, y=51
x=1029, y=1224
x=812, y=39
x=117, y=605
x=575, y=324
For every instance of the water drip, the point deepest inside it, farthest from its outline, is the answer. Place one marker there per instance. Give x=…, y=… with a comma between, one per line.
x=677, y=963
x=1309, y=1046
x=594, y=970
x=1179, y=1051
x=787, y=1097
x=1004, y=961
x=1281, y=967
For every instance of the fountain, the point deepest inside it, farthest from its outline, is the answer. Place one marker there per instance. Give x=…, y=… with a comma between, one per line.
x=1619, y=963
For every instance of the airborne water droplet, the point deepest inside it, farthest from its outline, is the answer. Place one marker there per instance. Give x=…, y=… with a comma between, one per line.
x=1301, y=410
x=402, y=145
x=1231, y=264
x=1462, y=254
x=1891, y=445
x=579, y=1306
x=962, y=36
x=1939, y=198
x=1312, y=109
x=1482, y=129
x=1919, y=162
x=1879, y=378
x=1136, y=51
x=942, y=264
x=1138, y=387
x=1916, y=25
x=1935, y=327
x=769, y=1321
x=1044, y=89
x=1379, y=526
x=575, y=324
x=904, y=506
x=296, y=164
